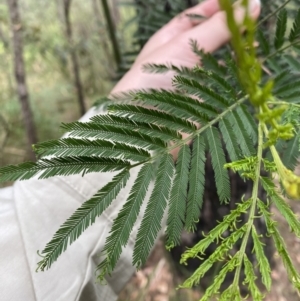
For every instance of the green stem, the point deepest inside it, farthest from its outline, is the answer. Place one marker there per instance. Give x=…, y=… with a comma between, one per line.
x=196, y=133
x=206, y=126
x=285, y=103
x=273, y=13
x=280, y=50
x=277, y=160
x=253, y=206
x=112, y=33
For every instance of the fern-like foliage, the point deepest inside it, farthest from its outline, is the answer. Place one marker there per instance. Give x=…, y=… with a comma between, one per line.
x=196, y=184
x=81, y=219
x=123, y=225
x=177, y=200
x=129, y=132
x=230, y=110
x=151, y=222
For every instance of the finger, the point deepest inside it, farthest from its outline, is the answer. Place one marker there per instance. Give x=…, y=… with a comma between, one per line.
x=183, y=22
x=210, y=35
x=178, y=25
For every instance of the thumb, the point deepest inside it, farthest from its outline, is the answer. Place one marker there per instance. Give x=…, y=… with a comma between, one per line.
x=213, y=33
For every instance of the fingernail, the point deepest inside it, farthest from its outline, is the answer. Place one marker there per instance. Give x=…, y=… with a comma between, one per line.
x=253, y=4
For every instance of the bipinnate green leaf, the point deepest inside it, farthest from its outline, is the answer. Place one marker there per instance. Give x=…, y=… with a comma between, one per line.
x=151, y=222
x=202, y=108
x=208, y=61
x=115, y=133
x=208, y=95
x=288, y=91
x=263, y=42
x=218, y=161
x=214, y=288
x=46, y=168
x=274, y=64
x=141, y=114
x=84, y=147
x=160, y=68
x=245, y=166
x=280, y=245
x=232, y=293
x=177, y=201
x=244, y=140
x=262, y=260
x=81, y=219
x=101, y=124
x=124, y=222
x=217, y=81
x=287, y=212
x=219, y=255
x=233, y=73
x=164, y=68
x=250, y=280
x=293, y=274
x=293, y=62
x=282, y=78
x=295, y=31
x=280, y=28
x=228, y=221
x=177, y=105
x=292, y=152
x=281, y=205
x=196, y=183
x=230, y=140
x=249, y=122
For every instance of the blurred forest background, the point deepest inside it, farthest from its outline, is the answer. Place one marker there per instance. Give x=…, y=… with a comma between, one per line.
x=58, y=57
x=69, y=63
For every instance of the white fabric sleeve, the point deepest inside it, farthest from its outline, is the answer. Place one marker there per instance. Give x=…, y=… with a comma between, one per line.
x=31, y=211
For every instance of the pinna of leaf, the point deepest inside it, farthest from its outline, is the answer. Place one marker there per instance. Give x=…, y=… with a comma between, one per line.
x=133, y=136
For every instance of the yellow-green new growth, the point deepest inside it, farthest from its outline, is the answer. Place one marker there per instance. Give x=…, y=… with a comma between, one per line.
x=289, y=180
x=270, y=129
x=250, y=75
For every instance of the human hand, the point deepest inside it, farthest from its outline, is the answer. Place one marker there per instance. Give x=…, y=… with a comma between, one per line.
x=171, y=44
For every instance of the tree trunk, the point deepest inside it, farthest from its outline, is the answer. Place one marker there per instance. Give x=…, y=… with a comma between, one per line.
x=112, y=33
x=6, y=64
x=74, y=59
x=60, y=12
x=100, y=28
x=116, y=12
x=3, y=38
x=20, y=74
x=3, y=137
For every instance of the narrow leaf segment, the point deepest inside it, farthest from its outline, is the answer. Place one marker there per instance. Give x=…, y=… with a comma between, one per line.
x=124, y=222
x=81, y=219
x=196, y=183
x=151, y=223
x=177, y=201
x=218, y=162
x=66, y=166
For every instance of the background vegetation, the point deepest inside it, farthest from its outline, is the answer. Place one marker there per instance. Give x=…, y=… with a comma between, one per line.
x=47, y=56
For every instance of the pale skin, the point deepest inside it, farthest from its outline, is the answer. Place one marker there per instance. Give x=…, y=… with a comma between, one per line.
x=171, y=44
